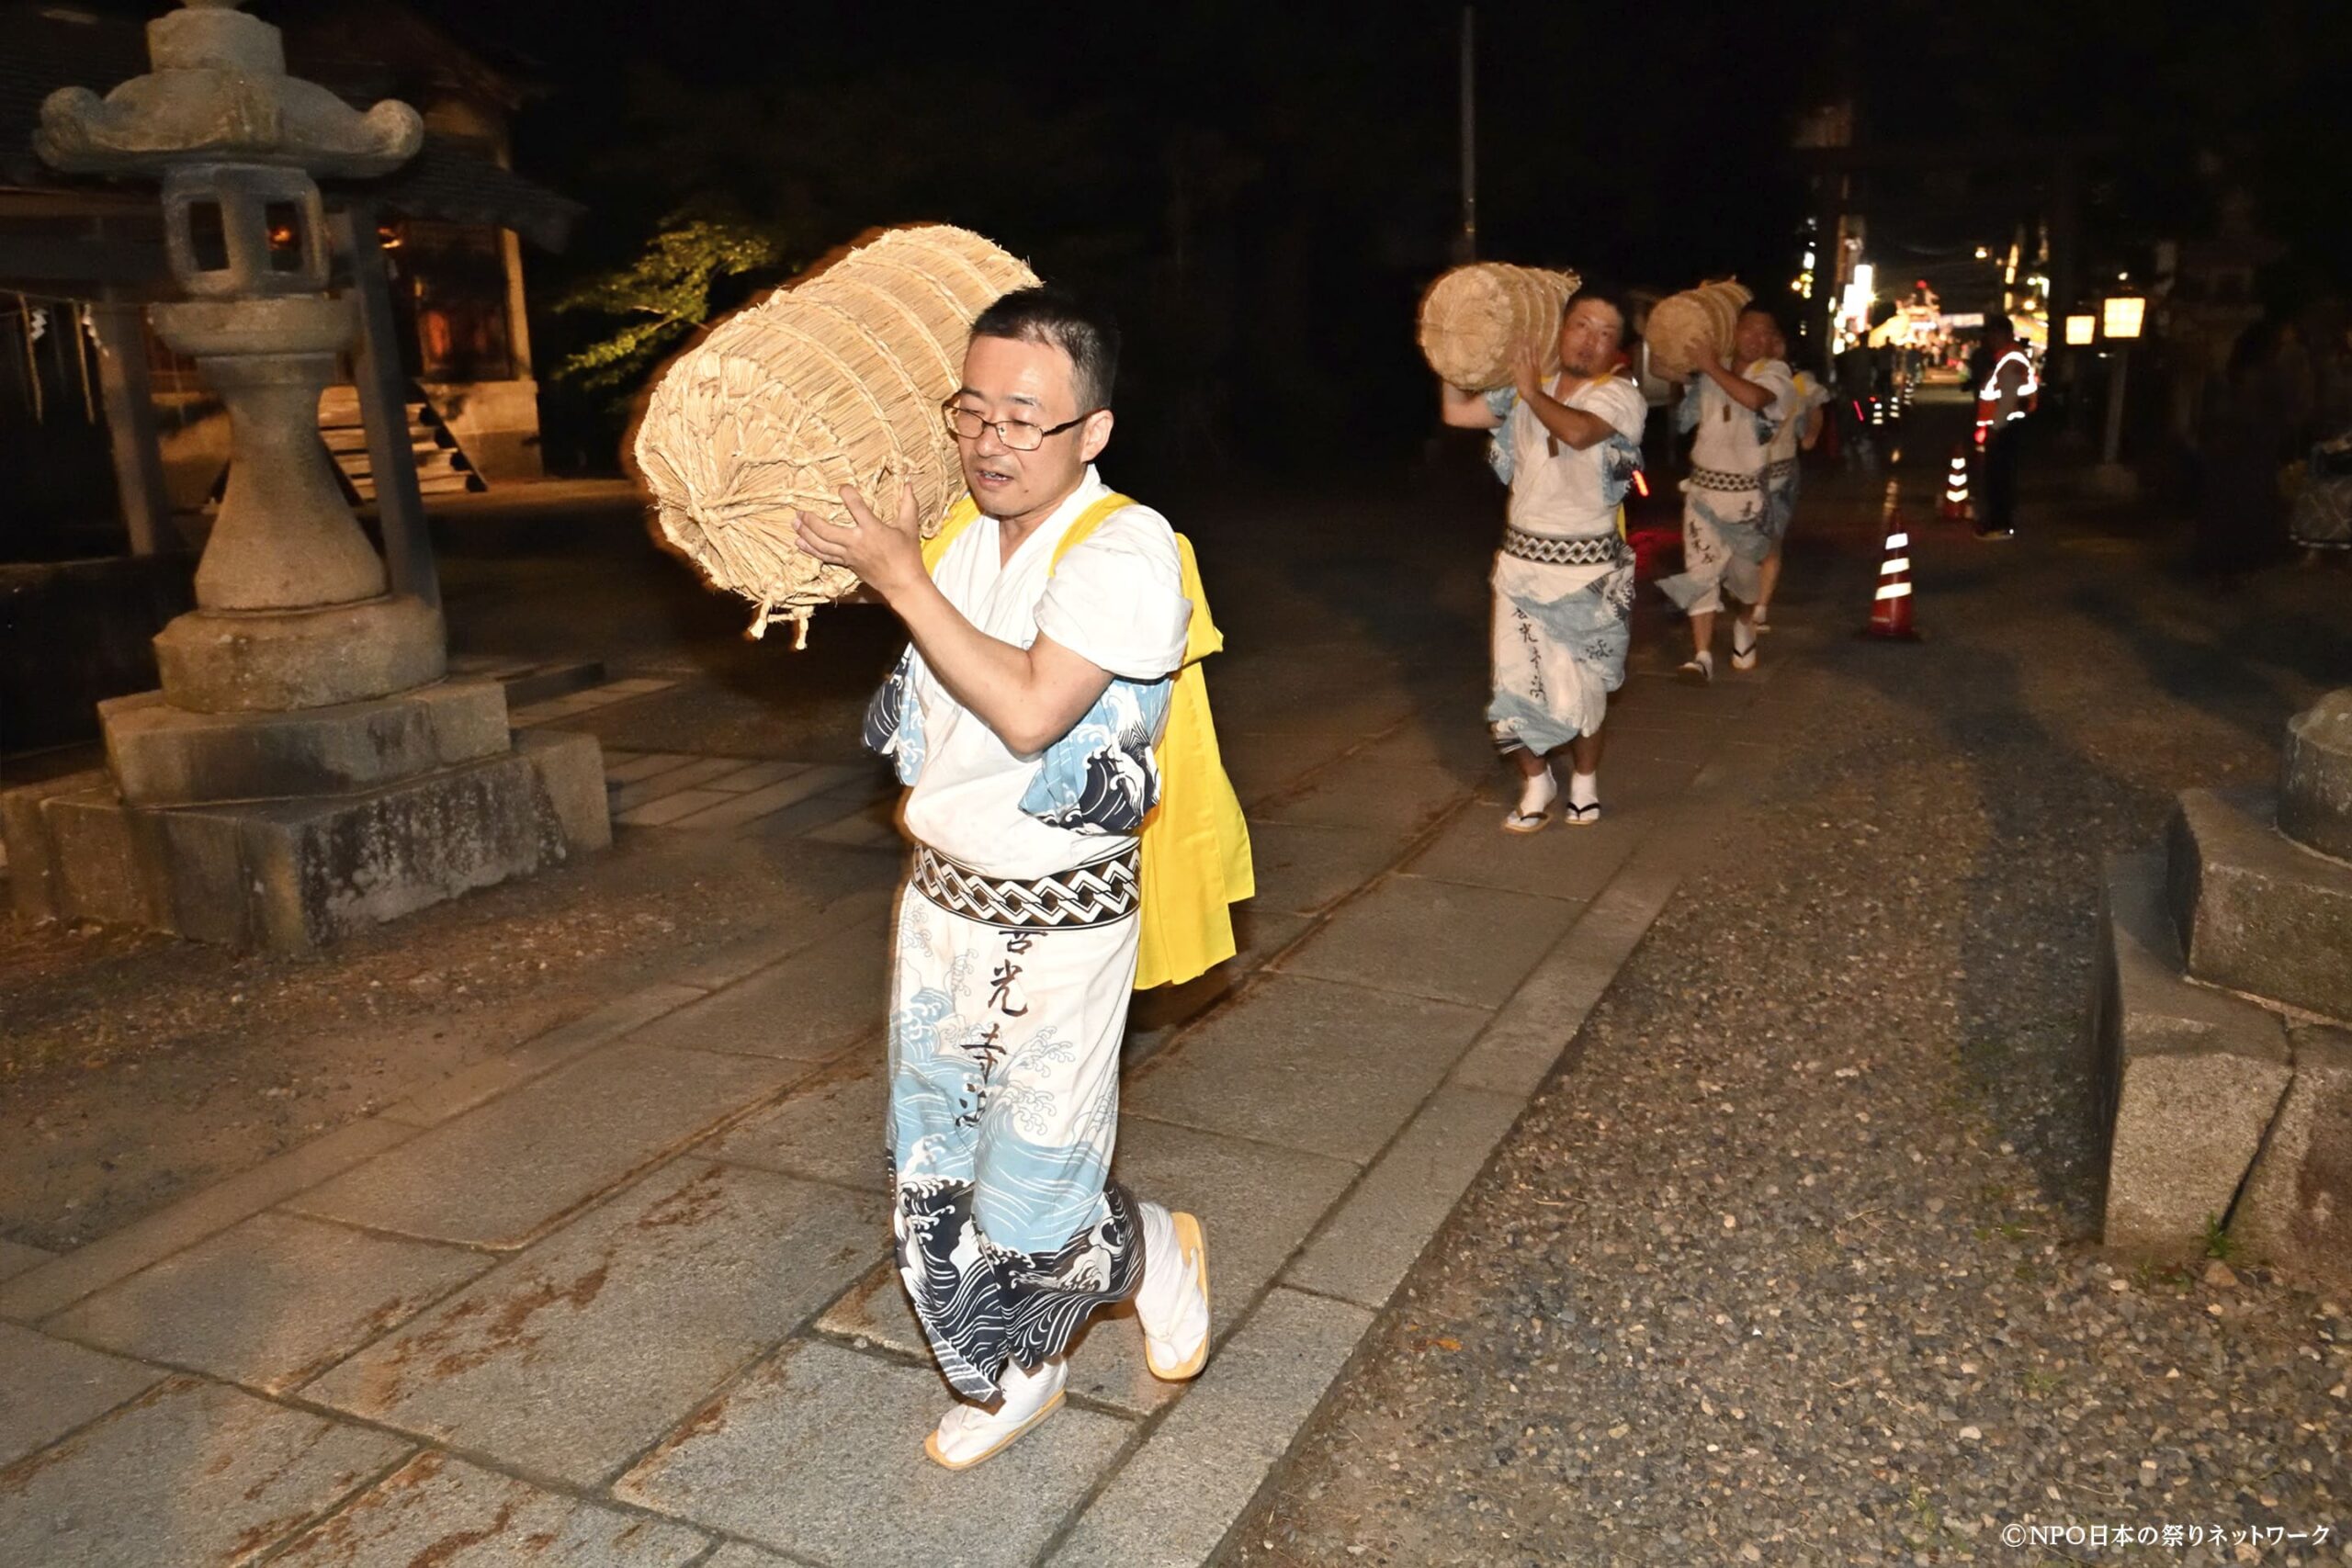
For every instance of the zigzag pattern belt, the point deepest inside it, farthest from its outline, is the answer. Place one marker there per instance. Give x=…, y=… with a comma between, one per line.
x=1777, y=472
x=1607, y=549
x=1720, y=478
x=1099, y=893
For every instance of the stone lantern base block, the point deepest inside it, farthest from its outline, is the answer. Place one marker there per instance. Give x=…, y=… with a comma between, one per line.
x=2258, y=912
x=2315, y=780
x=161, y=755
x=215, y=662
x=2296, y=1211
x=2189, y=1077
x=289, y=875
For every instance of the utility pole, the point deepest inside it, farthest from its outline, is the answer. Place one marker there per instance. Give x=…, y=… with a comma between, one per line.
x=1466, y=246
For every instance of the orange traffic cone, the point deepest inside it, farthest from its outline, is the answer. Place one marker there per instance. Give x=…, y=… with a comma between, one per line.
x=1956, y=507
x=1891, y=610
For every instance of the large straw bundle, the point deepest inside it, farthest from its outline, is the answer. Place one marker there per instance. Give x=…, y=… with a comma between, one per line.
x=835, y=381
x=1474, y=318
x=1682, y=326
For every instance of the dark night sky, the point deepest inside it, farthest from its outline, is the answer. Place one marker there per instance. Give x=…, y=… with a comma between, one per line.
x=1261, y=188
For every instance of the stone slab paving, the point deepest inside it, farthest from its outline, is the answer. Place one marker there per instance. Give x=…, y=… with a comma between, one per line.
x=810, y=1006
x=42, y=1290
x=1559, y=862
x=443, y=1513
x=502, y=1173
x=1398, y=800
x=1308, y=1063
x=817, y=1453
x=570, y=1359
x=1365, y=1247
x=271, y=1301
x=16, y=1257
x=191, y=1474
x=832, y=1129
x=1305, y=868
x=463, y=1091
x=645, y=1377
x=1171, y=1505
x=1441, y=940
x=1261, y=765
x=48, y=1387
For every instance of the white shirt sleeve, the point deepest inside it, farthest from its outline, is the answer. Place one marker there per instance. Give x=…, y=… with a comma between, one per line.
x=1773, y=375
x=1620, y=403
x=1117, y=599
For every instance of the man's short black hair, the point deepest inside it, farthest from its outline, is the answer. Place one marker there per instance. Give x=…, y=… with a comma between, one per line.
x=1998, y=326
x=1608, y=294
x=1758, y=307
x=1060, y=320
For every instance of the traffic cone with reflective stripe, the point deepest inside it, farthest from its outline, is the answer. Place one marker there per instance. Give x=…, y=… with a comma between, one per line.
x=1891, y=609
x=1956, y=507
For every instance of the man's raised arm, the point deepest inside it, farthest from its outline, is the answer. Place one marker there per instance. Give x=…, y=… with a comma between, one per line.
x=1029, y=697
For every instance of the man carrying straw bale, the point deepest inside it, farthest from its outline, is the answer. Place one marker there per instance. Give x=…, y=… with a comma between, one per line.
x=1724, y=540
x=1782, y=471
x=1564, y=578
x=1045, y=620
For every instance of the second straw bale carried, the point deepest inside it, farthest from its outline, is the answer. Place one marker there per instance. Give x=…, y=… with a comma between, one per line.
x=833, y=381
x=1475, y=319
x=1698, y=321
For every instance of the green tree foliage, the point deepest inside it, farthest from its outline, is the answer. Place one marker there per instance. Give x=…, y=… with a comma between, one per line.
x=666, y=292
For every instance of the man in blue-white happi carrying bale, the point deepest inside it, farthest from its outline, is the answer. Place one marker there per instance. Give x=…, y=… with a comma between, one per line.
x=1564, y=578
x=1075, y=837
x=1727, y=517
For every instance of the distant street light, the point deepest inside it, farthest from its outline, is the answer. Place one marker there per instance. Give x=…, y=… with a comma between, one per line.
x=2122, y=314
x=2081, y=330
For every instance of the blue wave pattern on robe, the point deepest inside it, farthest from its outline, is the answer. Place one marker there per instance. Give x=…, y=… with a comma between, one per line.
x=1594, y=623
x=1101, y=777
x=894, y=720
x=1620, y=460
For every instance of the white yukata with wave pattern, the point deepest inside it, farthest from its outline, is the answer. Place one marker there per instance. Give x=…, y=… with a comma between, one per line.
x=1015, y=948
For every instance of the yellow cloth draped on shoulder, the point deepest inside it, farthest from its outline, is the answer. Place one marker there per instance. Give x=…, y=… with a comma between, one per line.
x=1195, y=844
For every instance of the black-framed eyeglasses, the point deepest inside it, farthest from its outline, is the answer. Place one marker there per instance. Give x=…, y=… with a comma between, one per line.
x=1018, y=435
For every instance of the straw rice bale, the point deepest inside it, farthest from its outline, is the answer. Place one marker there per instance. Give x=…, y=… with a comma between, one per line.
x=1682, y=326
x=1474, y=320
x=835, y=379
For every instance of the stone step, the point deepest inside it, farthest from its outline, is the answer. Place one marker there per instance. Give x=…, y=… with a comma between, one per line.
x=2316, y=778
x=161, y=755
x=2258, y=912
x=2187, y=1077
x=288, y=877
x=529, y=680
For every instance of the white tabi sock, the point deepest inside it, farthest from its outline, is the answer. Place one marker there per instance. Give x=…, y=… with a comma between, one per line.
x=1173, y=1308
x=1584, y=789
x=970, y=1433
x=1534, y=796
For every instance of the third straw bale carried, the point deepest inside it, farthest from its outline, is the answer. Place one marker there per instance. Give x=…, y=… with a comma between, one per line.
x=1474, y=320
x=834, y=380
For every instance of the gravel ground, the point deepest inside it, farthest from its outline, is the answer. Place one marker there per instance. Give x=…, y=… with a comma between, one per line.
x=1797, y=1263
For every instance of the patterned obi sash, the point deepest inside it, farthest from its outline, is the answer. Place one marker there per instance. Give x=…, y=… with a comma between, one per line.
x=1606, y=549
x=1780, y=472
x=1099, y=893
x=1724, y=479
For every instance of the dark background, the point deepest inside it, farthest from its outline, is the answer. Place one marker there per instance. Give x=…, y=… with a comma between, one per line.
x=1262, y=189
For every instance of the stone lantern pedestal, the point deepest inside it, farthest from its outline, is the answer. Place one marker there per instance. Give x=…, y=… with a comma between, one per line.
x=306, y=769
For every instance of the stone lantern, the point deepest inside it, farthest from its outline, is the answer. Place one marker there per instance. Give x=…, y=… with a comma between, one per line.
x=306, y=769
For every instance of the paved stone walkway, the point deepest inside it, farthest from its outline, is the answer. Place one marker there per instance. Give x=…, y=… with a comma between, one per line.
x=623, y=1291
